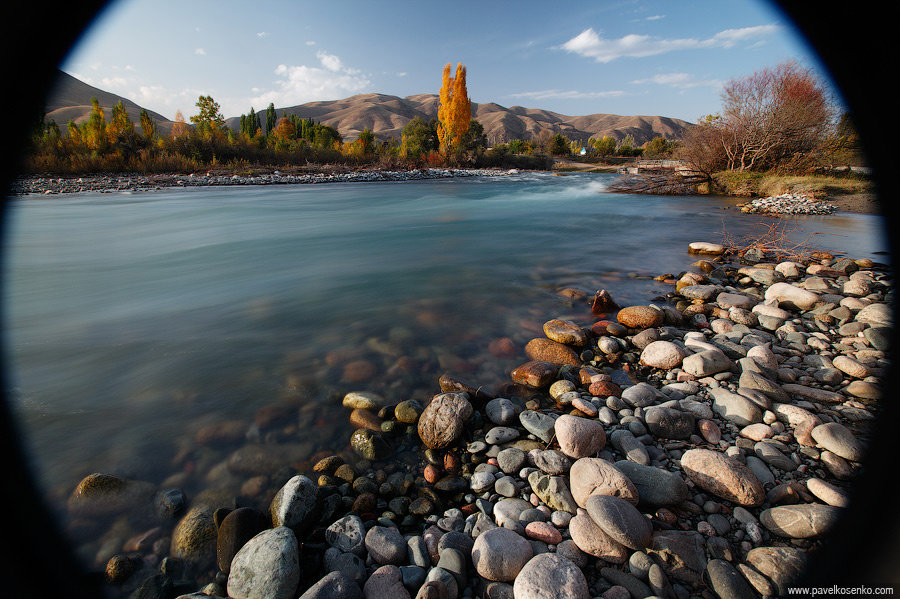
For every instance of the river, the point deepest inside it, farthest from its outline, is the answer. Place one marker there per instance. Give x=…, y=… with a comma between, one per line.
x=134, y=320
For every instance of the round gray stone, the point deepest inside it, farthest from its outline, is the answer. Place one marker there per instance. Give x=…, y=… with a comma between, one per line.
x=620, y=520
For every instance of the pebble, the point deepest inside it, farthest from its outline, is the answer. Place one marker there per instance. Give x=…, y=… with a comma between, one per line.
x=655, y=486
x=669, y=423
x=543, y=531
x=386, y=581
x=591, y=539
x=386, y=546
x=620, y=520
x=640, y=317
x=800, y=521
x=334, y=585
x=501, y=411
x=827, y=492
x=839, y=440
x=538, y=424
x=550, y=576
x=579, y=437
x=735, y=408
x=444, y=419
x=267, y=566
x=294, y=504
x=662, y=354
x=726, y=581
x=723, y=476
x=782, y=565
x=238, y=527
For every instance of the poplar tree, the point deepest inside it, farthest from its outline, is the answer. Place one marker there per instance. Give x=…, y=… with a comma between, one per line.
x=455, y=110
x=148, y=127
x=121, y=124
x=271, y=118
x=95, y=128
x=179, y=127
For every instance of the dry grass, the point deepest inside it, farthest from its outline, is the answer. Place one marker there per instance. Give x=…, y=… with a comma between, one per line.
x=748, y=184
x=816, y=186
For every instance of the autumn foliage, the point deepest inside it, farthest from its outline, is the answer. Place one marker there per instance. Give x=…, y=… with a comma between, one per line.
x=455, y=110
x=775, y=119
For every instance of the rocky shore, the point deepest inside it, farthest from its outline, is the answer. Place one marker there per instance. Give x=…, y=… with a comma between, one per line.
x=700, y=446
x=788, y=203
x=120, y=183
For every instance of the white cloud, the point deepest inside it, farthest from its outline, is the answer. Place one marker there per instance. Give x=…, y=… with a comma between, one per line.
x=262, y=34
x=310, y=43
x=200, y=52
x=590, y=44
x=656, y=17
x=402, y=74
x=565, y=95
x=329, y=61
x=108, y=83
x=680, y=80
x=299, y=84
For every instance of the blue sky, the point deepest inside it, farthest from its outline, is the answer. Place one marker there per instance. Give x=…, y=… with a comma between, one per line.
x=577, y=57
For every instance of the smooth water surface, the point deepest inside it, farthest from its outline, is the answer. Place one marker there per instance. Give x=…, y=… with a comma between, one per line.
x=134, y=320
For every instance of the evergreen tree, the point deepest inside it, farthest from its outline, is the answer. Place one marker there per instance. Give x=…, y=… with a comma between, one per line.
x=271, y=119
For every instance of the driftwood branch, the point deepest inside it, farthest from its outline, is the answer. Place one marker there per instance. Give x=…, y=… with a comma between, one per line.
x=657, y=184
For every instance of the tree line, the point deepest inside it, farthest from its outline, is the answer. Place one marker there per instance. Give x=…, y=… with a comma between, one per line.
x=776, y=119
x=779, y=119
x=265, y=139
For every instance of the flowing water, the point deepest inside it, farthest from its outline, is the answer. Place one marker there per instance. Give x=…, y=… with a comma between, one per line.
x=134, y=320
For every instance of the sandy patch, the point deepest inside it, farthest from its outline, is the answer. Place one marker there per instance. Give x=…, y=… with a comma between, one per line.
x=863, y=203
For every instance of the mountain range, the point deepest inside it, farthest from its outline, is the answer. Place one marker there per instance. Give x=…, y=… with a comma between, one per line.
x=386, y=116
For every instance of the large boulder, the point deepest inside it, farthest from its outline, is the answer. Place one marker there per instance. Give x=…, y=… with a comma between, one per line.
x=500, y=554
x=266, y=567
x=723, y=476
x=595, y=476
x=444, y=419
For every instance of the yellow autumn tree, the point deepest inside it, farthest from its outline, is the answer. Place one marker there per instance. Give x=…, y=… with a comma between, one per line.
x=455, y=110
x=179, y=126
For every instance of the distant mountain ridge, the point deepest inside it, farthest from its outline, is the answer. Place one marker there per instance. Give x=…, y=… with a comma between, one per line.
x=70, y=100
x=386, y=116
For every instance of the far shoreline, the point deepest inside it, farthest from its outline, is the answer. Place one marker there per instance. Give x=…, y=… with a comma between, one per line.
x=64, y=184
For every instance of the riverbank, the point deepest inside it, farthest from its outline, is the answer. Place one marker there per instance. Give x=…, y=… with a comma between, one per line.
x=135, y=182
x=707, y=441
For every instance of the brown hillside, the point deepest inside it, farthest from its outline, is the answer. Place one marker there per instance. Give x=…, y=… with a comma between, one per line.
x=70, y=99
x=386, y=116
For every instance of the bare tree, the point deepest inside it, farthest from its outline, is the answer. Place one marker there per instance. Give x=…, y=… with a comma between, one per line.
x=704, y=148
x=775, y=118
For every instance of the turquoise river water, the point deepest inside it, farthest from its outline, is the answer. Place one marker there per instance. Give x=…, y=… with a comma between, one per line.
x=132, y=320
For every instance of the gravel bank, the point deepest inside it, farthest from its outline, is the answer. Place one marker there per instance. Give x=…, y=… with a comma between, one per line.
x=119, y=183
x=698, y=446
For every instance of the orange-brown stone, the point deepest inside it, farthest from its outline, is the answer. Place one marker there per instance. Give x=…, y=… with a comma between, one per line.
x=640, y=317
x=504, y=347
x=565, y=332
x=605, y=389
x=359, y=371
x=535, y=374
x=547, y=350
x=603, y=303
x=362, y=418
